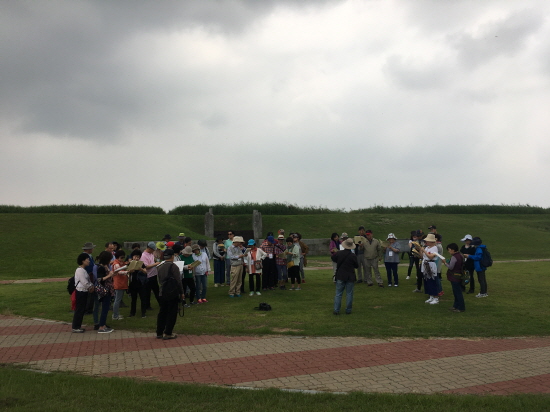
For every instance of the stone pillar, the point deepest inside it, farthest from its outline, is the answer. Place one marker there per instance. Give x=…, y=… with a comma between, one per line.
x=209, y=223
x=257, y=224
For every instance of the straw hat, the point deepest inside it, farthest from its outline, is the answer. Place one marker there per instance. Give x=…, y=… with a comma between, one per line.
x=238, y=239
x=348, y=244
x=430, y=238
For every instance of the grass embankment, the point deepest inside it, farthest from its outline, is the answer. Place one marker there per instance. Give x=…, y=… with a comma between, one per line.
x=43, y=245
x=517, y=306
x=68, y=392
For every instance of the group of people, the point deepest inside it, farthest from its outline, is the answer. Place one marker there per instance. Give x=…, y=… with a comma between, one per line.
x=361, y=254
x=101, y=282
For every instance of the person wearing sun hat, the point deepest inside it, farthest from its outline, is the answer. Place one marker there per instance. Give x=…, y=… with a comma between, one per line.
x=429, y=268
x=236, y=254
x=391, y=259
x=148, y=259
x=346, y=263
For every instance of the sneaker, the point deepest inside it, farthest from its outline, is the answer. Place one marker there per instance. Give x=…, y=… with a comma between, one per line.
x=429, y=300
x=298, y=288
x=408, y=277
x=291, y=288
x=417, y=291
x=457, y=311
x=251, y=293
x=237, y=296
x=106, y=330
x=194, y=303
x=120, y=317
x=216, y=285
x=159, y=336
x=143, y=316
x=390, y=285
x=167, y=337
x=186, y=306
x=78, y=330
x=470, y=291
x=258, y=293
x=231, y=296
x=370, y=284
x=479, y=295
x=396, y=285
x=434, y=302
x=484, y=295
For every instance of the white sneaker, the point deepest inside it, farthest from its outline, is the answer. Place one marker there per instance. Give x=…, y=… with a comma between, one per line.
x=216, y=285
x=479, y=295
x=251, y=293
x=408, y=277
x=120, y=317
x=417, y=291
x=434, y=301
x=429, y=300
x=258, y=293
x=396, y=285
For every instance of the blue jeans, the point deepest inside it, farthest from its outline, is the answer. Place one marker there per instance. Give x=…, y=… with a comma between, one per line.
x=119, y=293
x=340, y=285
x=97, y=304
x=459, y=298
x=282, y=273
x=201, y=286
x=105, y=303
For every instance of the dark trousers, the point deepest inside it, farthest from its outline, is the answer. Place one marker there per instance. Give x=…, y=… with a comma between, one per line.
x=81, y=302
x=254, y=277
x=168, y=314
x=269, y=273
x=391, y=268
x=243, y=279
x=414, y=261
x=142, y=293
x=472, y=279
x=294, y=274
x=105, y=303
x=459, y=298
x=189, y=283
x=152, y=285
x=90, y=302
x=219, y=271
x=482, y=282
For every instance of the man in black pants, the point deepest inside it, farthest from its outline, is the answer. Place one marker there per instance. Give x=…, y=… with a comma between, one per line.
x=168, y=312
x=469, y=249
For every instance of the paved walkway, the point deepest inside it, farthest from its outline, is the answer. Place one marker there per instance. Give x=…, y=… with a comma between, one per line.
x=488, y=366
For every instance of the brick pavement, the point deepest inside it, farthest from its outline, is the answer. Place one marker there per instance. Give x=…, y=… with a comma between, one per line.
x=342, y=364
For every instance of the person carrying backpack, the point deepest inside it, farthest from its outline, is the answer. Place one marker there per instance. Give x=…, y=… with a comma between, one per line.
x=480, y=258
x=170, y=294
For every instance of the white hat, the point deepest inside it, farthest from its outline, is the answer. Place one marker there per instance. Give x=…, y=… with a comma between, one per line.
x=391, y=236
x=348, y=244
x=467, y=237
x=237, y=239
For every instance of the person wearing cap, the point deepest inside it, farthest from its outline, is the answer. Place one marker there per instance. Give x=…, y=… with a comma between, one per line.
x=280, y=260
x=480, y=269
x=433, y=229
x=166, y=238
x=188, y=277
x=391, y=259
x=346, y=263
x=181, y=240
x=201, y=271
x=373, y=253
x=253, y=264
x=269, y=271
x=429, y=268
x=168, y=308
x=360, y=252
x=148, y=259
x=227, y=243
x=469, y=249
x=218, y=250
x=235, y=255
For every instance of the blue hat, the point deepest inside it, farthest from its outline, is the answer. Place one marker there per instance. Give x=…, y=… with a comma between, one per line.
x=251, y=242
x=271, y=239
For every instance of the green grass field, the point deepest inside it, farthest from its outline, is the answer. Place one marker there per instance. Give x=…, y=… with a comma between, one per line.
x=517, y=305
x=44, y=245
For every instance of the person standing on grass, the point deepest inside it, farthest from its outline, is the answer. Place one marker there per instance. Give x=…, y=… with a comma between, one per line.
x=294, y=253
x=304, y=250
x=105, y=278
x=469, y=249
x=346, y=263
x=218, y=250
x=373, y=253
x=414, y=260
x=439, y=262
x=235, y=255
x=138, y=286
x=168, y=311
x=83, y=287
x=227, y=243
x=253, y=264
x=480, y=269
x=120, y=282
x=269, y=272
x=360, y=252
x=334, y=247
x=188, y=279
x=454, y=271
x=148, y=259
x=282, y=270
x=429, y=268
x=201, y=272
x=419, y=276
x=391, y=260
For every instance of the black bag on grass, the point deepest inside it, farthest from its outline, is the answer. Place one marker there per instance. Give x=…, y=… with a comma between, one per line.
x=264, y=306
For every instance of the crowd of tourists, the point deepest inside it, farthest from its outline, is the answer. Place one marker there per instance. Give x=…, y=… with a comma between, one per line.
x=356, y=259
x=176, y=271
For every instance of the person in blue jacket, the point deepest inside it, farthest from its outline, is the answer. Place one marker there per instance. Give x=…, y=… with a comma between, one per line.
x=477, y=242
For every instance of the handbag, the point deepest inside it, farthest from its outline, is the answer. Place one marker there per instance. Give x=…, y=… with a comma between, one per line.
x=258, y=264
x=290, y=264
x=101, y=290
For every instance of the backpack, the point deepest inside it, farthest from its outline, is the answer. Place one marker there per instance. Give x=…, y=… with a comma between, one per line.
x=486, y=259
x=264, y=306
x=170, y=288
x=71, y=287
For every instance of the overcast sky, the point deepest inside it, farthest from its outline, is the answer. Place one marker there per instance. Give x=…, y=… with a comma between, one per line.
x=344, y=104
